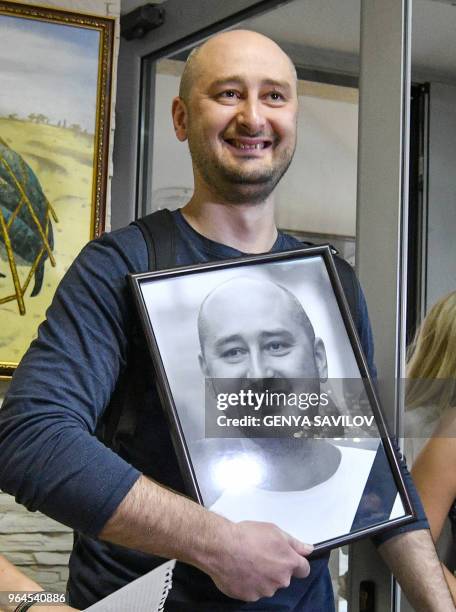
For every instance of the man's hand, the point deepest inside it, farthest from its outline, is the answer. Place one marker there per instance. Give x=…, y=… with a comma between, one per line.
x=246, y=560
x=258, y=559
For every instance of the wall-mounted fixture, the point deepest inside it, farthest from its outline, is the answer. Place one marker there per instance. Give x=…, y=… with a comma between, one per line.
x=142, y=20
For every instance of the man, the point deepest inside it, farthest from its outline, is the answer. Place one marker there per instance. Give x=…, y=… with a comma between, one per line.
x=267, y=335
x=266, y=344
x=237, y=108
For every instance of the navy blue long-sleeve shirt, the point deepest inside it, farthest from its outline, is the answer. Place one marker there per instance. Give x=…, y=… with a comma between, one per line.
x=52, y=459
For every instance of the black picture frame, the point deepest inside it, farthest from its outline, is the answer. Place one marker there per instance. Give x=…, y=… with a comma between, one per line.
x=318, y=258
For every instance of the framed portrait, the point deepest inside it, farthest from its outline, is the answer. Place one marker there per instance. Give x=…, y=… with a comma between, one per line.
x=272, y=409
x=55, y=70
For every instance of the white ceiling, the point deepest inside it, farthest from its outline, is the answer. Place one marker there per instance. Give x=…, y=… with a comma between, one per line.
x=434, y=37
x=323, y=24
x=126, y=6
x=332, y=27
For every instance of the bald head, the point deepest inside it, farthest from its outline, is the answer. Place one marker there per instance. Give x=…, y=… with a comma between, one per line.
x=240, y=299
x=238, y=109
x=202, y=58
x=252, y=328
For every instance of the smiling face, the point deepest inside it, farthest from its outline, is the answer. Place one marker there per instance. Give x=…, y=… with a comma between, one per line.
x=251, y=329
x=239, y=116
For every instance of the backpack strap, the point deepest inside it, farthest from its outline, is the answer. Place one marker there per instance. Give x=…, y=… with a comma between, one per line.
x=350, y=286
x=348, y=280
x=159, y=233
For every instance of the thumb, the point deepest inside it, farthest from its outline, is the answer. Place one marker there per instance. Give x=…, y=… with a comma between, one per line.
x=302, y=569
x=300, y=547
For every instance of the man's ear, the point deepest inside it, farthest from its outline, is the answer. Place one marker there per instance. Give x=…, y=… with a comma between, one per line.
x=180, y=118
x=320, y=359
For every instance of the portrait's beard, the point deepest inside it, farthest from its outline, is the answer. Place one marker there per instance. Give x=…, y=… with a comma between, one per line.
x=233, y=182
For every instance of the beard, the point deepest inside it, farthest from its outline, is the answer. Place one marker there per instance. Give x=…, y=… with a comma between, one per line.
x=233, y=182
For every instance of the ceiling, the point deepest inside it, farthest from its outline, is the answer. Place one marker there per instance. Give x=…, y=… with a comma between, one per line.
x=324, y=29
x=126, y=6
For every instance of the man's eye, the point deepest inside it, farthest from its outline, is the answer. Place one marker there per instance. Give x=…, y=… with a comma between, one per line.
x=276, y=96
x=278, y=348
x=229, y=94
x=234, y=354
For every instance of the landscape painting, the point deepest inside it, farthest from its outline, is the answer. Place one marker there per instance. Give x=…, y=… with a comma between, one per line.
x=55, y=70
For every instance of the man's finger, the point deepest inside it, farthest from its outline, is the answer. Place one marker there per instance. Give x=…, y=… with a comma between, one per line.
x=302, y=569
x=300, y=547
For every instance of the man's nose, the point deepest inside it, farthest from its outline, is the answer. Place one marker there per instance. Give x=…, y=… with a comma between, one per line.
x=258, y=367
x=251, y=115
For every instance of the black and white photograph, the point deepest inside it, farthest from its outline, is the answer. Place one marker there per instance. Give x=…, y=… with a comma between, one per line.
x=264, y=383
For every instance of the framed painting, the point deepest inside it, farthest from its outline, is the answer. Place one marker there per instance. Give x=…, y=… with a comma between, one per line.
x=272, y=409
x=55, y=99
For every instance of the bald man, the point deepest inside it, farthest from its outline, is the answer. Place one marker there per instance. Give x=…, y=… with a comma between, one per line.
x=237, y=110
x=269, y=340
x=267, y=335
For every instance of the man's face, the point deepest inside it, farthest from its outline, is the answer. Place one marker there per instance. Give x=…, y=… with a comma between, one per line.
x=241, y=117
x=252, y=330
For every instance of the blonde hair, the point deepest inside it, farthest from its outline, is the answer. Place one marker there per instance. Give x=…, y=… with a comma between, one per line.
x=431, y=368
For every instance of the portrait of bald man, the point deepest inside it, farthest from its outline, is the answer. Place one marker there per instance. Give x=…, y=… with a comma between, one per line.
x=124, y=495
x=256, y=329
x=267, y=342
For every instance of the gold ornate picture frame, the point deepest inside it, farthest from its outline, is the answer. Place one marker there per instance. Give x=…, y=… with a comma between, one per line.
x=55, y=104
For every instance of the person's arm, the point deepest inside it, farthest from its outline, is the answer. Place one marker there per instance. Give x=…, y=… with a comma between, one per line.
x=246, y=560
x=412, y=558
x=14, y=581
x=434, y=474
x=52, y=460
x=408, y=550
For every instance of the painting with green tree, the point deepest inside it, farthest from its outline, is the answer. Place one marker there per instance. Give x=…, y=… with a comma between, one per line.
x=55, y=70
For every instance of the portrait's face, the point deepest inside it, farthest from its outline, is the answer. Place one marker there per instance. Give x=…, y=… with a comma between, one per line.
x=252, y=329
x=241, y=117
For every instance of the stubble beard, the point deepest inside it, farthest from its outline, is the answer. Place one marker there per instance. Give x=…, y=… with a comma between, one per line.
x=235, y=184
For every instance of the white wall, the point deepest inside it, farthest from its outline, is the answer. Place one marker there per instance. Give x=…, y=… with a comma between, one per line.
x=35, y=543
x=318, y=193
x=441, y=257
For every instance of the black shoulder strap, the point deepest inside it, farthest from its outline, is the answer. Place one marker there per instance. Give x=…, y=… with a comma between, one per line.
x=350, y=285
x=159, y=232
x=348, y=280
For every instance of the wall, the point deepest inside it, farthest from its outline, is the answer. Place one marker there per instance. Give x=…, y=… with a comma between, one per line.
x=441, y=261
x=36, y=544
